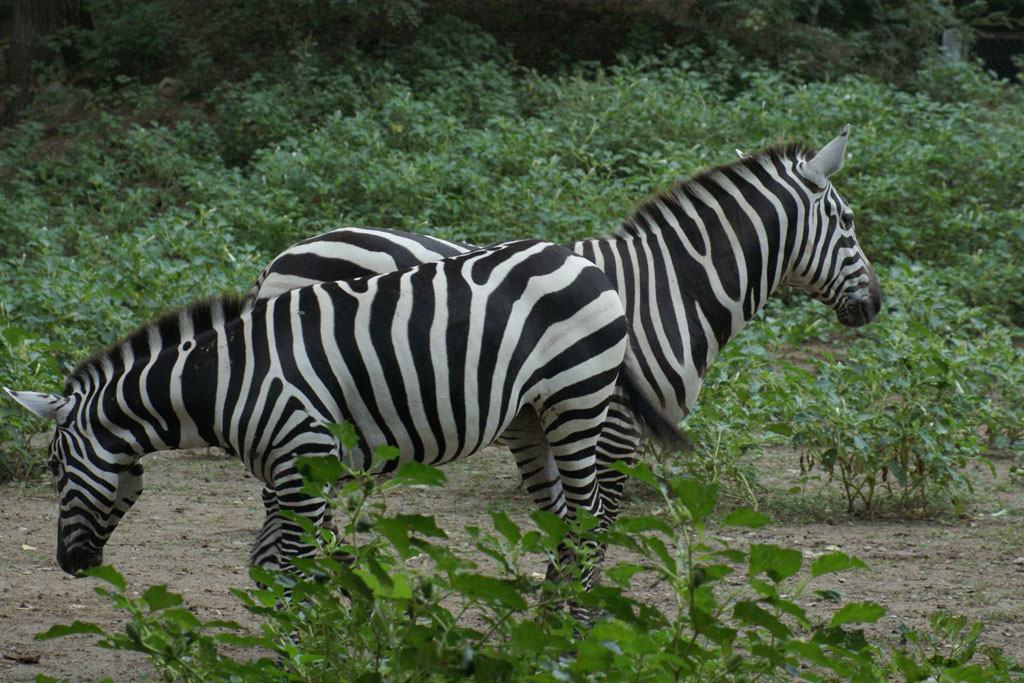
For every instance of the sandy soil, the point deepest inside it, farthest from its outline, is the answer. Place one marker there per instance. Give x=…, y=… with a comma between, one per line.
x=192, y=528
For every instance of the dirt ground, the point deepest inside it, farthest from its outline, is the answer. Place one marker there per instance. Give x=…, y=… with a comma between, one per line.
x=192, y=528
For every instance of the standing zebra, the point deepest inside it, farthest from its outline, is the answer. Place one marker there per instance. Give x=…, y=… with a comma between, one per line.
x=437, y=360
x=691, y=266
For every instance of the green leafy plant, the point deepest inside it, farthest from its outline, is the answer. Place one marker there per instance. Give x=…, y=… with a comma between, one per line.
x=135, y=204
x=385, y=597
x=898, y=415
x=948, y=652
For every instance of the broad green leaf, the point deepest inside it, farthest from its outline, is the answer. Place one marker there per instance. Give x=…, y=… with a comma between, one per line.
x=385, y=580
x=346, y=435
x=529, y=637
x=835, y=562
x=489, y=589
x=386, y=452
x=356, y=583
x=108, y=574
x=551, y=525
x=417, y=474
x=793, y=609
x=641, y=524
x=970, y=673
x=506, y=527
x=370, y=580
x=731, y=554
x=698, y=497
x=610, y=630
x=78, y=627
x=714, y=572
x=658, y=547
x=779, y=563
x=398, y=528
x=400, y=589
x=779, y=428
x=751, y=613
x=320, y=470
x=180, y=616
x=746, y=518
x=858, y=612
x=425, y=525
x=641, y=472
x=158, y=597
x=13, y=336
x=592, y=655
x=815, y=653
x=623, y=572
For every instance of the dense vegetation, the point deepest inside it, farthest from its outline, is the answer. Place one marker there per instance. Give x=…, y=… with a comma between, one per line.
x=125, y=194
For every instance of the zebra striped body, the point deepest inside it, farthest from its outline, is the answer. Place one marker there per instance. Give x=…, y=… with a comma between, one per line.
x=437, y=360
x=691, y=267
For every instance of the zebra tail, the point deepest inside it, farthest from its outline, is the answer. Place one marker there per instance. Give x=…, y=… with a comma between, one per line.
x=652, y=417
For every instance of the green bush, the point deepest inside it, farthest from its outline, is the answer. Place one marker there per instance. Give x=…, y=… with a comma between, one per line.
x=404, y=606
x=115, y=217
x=901, y=410
x=136, y=40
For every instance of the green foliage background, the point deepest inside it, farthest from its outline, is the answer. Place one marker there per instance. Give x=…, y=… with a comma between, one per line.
x=126, y=194
x=132, y=195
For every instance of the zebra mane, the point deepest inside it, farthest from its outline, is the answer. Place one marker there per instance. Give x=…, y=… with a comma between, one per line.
x=202, y=314
x=707, y=179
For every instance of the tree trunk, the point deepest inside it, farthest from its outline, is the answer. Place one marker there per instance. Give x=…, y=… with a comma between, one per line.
x=34, y=20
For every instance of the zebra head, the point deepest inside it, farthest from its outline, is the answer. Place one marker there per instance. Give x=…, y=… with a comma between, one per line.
x=829, y=263
x=96, y=481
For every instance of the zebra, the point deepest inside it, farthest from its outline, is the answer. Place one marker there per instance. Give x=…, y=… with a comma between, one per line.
x=437, y=360
x=692, y=266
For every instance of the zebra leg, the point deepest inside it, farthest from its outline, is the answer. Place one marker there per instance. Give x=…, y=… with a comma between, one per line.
x=280, y=539
x=525, y=439
x=271, y=524
x=621, y=440
x=266, y=549
x=572, y=432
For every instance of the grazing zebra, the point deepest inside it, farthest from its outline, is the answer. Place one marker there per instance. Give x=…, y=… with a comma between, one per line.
x=691, y=266
x=437, y=360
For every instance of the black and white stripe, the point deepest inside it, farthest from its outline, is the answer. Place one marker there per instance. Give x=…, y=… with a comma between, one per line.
x=691, y=266
x=437, y=360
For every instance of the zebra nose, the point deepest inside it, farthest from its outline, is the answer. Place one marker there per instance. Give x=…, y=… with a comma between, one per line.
x=855, y=312
x=78, y=559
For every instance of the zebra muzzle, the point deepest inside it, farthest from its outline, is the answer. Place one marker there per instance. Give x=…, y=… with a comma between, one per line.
x=75, y=560
x=863, y=308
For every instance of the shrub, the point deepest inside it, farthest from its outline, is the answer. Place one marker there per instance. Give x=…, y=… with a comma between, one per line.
x=408, y=596
x=900, y=412
x=138, y=40
x=116, y=216
x=404, y=606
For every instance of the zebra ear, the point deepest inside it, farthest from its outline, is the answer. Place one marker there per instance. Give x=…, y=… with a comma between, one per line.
x=44, y=405
x=827, y=161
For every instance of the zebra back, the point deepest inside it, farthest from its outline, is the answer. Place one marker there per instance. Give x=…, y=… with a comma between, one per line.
x=692, y=265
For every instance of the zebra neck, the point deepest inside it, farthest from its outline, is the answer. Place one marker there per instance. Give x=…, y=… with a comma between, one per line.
x=692, y=267
x=155, y=390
